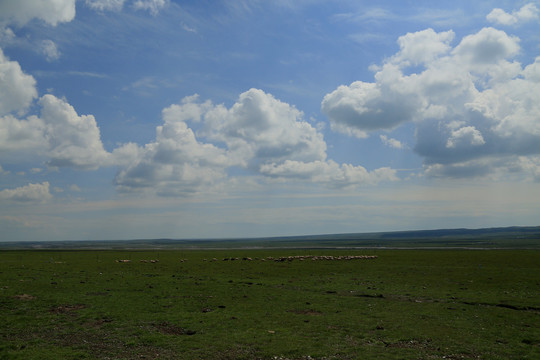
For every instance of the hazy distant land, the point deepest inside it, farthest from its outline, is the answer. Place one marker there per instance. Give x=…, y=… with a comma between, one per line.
x=516, y=237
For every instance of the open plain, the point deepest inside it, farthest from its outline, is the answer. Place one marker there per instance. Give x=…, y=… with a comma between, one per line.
x=270, y=304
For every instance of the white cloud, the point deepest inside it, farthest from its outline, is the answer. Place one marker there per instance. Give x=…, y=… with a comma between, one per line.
x=58, y=134
x=363, y=106
x=467, y=135
x=423, y=46
x=17, y=89
x=260, y=129
x=49, y=49
x=102, y=5
x=527, y=13
x=258, y=133
x=472, y=104
x=328, y=173
x=393, y=143
x=176, y=163
x=153, y=6
x=21, y=137
x=73, y=140
x=487, y=47
x=50, y=11
x=34, y=193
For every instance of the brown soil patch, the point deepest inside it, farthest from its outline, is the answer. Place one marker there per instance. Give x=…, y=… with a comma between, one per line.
x=24, y=297
x=63, y=309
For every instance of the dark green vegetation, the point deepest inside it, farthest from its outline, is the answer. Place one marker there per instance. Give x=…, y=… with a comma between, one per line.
x=491, y=238
x=405, y=304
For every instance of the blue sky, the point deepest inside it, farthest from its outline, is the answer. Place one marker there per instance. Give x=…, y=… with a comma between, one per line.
x=128, y=119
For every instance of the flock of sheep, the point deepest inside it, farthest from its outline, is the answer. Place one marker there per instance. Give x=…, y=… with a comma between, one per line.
x=302, y=258
x=278, y=259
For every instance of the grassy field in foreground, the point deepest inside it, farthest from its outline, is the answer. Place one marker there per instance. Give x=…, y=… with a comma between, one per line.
x=405, y=304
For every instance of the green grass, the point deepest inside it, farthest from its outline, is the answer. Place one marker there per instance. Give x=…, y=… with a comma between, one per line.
x=406, y=304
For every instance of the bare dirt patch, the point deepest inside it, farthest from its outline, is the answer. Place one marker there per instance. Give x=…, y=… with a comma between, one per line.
x=64, y=309
x=24, y=297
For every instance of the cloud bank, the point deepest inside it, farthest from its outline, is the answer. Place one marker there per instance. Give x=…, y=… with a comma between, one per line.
x=475, y=110
x=474, y=106
x=268, y=139
x=258, y=133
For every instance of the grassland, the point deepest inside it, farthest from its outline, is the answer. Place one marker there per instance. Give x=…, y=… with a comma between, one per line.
x=405, y=304
x=515, y=237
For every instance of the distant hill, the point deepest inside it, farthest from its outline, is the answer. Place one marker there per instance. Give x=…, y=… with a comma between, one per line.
x=516, y=237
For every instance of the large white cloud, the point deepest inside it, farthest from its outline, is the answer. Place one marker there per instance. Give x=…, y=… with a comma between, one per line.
x=475, y=108
x=176, y=163
x=17, y=89
x=259, y=129
x=266, y=137
x=21, y=137
x=52, y=12
x=58, y=135
x=73, y=140
x=34, y=193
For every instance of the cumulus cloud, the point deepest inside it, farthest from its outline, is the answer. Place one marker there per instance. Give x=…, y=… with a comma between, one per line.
x=393, y=143
x=362, y=107
x=467, y=135
x=473, y=104
x=17, y=89
x=58, y=134
x=528, y=12
x=21, y=137
x=487, y=47
x=33, y=193
x=50, y=11
x=176, y=163
x=259, y=129
x=73, y=140
x=259, y=133
x=423, y=46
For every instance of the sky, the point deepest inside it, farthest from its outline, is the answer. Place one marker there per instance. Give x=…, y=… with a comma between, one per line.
x=131, y=119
